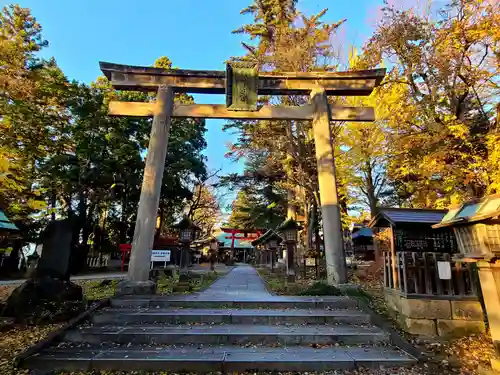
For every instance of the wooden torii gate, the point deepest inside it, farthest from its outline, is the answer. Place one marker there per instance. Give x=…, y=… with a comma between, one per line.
x=241, y=83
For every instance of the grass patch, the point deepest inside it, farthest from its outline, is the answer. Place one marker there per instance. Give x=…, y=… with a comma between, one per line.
x=320, y=288
x=94, y=290
x=197, y=283
x=277, y=283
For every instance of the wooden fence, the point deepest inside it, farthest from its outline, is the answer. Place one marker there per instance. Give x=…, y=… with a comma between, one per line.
x=416, y=273
x=98, y=260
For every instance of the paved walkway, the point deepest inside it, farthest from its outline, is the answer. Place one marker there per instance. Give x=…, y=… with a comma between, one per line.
x=242, y=281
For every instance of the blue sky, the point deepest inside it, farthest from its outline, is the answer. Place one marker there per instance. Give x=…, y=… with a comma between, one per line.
x=194, y=34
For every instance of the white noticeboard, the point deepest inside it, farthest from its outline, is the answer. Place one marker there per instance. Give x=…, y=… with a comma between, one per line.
x=310, y=262
x=444, y=270
x=160, y=256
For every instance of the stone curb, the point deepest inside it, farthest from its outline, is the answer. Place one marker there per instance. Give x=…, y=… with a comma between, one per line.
x=394, y=336
x=58, y=334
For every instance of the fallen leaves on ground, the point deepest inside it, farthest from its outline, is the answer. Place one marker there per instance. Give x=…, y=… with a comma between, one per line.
x=459, y=356
x=92, y=289
x=359, y=371
x=6, y=290
x=15, y=340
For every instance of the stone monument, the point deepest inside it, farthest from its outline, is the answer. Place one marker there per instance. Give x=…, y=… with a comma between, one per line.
x=49, y=295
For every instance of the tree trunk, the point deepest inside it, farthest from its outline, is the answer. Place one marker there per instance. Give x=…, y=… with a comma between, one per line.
x=53, y=204
x=82, y=215
x=124, y=222
x=370, y=189
x=307, y=229
x=87, y=227
x=69, y=210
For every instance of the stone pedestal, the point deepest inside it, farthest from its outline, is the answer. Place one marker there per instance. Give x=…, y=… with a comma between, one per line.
x=290, y=261
x=447, y=317
x=132, y=287
x=489, y=276
x=183, y=285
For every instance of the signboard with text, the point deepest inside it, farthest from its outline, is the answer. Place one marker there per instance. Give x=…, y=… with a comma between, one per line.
x=160, y=256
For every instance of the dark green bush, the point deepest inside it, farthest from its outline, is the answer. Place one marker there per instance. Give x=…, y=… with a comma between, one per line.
x=321, y=289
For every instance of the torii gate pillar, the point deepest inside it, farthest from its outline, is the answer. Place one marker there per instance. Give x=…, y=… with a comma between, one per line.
x=330, y=210
x=138, y=273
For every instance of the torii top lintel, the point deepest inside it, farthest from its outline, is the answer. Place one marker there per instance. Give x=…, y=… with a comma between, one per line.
x=141, y=78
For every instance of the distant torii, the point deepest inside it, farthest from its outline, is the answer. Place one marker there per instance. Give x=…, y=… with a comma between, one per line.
x=248, y=234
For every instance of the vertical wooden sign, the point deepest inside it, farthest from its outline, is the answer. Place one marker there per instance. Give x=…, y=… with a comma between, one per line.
x=242, y=78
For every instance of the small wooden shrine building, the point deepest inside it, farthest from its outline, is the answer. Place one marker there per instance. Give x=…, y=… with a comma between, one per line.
x=267, y=248
x=422, y=284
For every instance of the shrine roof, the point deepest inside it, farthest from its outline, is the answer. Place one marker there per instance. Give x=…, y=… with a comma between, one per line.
x=228, y=230
x=472, y=211
x=394, y=216
x=268, y=236
x=362, y=232
x=5, y=223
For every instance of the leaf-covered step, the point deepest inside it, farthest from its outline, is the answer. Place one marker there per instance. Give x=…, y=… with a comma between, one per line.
x=229, y=316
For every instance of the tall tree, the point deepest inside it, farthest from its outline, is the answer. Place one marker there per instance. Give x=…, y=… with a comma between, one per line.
x=204, y=209
x=28, y=98
x=445, y=66
x=287, y=40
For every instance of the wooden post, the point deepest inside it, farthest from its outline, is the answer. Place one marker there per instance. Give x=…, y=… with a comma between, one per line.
x=291, y=213
x=395, y=279
x=330, y=210
x=151, y=187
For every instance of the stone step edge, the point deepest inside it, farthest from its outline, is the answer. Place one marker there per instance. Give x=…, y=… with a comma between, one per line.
x=139, y=303
x=234, y=329
x=206, y=298
x=233, y=311
x=224, y=359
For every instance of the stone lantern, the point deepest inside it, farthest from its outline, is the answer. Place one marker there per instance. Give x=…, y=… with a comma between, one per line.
x=213, y=250
x=477, y=228
x=289, y=232
x=188, y=232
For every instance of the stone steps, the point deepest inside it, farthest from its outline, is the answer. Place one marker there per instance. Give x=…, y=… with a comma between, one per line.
x=228, y=334
x=207, y=302
x=234, y=326
x=220, y=359
x=229, y=316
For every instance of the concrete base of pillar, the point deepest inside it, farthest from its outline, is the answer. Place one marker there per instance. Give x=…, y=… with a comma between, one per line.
x=128, y=287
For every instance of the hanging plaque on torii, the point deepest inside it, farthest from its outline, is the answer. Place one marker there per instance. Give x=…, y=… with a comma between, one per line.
x=242, y=80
